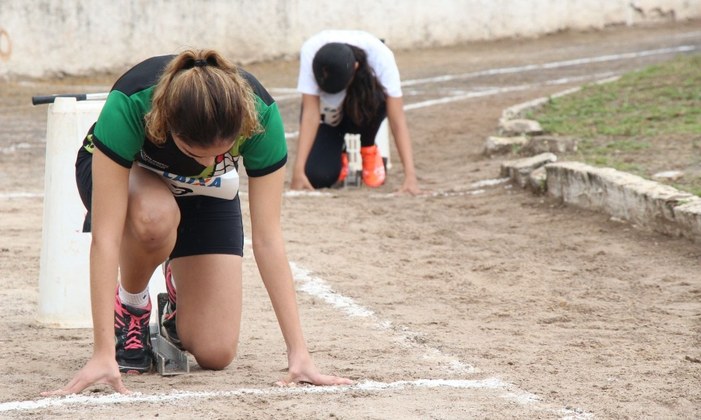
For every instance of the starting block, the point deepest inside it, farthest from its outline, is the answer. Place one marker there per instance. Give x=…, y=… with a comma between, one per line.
x=355, y=162
x=169, y=359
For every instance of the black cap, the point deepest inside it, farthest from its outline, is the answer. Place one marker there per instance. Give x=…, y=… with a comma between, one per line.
x=333, y=66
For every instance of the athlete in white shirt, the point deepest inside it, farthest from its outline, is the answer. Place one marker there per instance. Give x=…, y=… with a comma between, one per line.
x=350, y=83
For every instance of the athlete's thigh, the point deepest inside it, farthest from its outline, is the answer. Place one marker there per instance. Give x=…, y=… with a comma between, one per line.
x=148, y=192
x=209, y=299
x=150, y=228
x=324, y=161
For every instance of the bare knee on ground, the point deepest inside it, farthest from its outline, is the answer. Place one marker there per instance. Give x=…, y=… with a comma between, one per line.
x=213, y=357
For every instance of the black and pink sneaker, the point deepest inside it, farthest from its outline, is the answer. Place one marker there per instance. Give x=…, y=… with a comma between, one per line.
x=167, y=311
x=132, y=338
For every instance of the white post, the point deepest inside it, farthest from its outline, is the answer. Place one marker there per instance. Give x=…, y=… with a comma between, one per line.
x=355, y=161
x=64, y=273
x=382, y=142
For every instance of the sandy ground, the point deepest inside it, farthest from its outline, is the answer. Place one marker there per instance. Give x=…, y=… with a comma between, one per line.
x=476, y=300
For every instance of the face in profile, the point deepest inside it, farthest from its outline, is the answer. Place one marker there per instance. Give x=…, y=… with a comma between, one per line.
x=205, y=156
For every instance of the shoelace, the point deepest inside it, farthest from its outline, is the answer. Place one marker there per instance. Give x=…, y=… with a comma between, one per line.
x=134, y=341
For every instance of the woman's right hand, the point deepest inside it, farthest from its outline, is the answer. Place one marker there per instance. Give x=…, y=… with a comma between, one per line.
x=98, y=370
x=300, y=182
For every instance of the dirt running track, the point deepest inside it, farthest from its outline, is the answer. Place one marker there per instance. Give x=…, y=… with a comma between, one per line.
x=477, y=300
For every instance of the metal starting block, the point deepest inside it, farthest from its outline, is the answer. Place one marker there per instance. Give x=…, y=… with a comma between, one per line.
x=355, y=161
x=169, y=359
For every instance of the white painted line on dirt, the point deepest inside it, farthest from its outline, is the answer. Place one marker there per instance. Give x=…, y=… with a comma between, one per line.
x=21, y=194
x=430, y=194
x=473, y=189
x=367, y=386
x=305, y=193
x=519, y=69
x=455, y=193
x=470, y=95
x=534, y=67
x=83, y=400
x=282, y=90
x=489, y=182
x=489, y=92
x=509, y=89
x=14, y=147
x=320, y=289
x=551, y=65
x=285, y=97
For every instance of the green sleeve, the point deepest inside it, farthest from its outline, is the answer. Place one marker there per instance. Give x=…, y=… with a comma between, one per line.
x=266, y=151
x=120, y=130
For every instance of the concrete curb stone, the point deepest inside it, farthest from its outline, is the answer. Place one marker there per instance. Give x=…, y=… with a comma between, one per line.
x=641, y=202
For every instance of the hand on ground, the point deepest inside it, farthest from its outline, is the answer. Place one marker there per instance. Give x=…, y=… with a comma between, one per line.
x=96, y=371
x=306, y=373
x=300, y=182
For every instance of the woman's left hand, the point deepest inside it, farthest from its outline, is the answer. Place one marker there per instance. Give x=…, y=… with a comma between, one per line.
x=410, y=186
x=303, y=371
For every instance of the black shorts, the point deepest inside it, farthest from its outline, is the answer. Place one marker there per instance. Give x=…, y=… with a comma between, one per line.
x=324, y=161
x=208, y=225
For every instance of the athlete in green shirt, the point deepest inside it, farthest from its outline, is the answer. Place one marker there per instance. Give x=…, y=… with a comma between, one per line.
x=158, y=175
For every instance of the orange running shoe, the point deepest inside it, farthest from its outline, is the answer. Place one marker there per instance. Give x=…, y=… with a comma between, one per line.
x=344, y=167
x=373, y=167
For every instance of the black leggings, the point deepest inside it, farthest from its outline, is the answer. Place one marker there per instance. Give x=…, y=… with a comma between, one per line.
x=208, y=225
x=324, y=161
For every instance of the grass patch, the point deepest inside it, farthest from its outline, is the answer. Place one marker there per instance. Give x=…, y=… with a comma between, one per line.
x=645, y=122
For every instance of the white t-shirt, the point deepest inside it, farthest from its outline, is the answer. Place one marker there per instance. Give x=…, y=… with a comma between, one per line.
x=380, y=59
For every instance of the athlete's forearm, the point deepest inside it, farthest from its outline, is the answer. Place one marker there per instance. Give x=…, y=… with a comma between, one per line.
x=308, y=126
x=277, y=277
x=400, y=131
x=109, y=209
x=265, y=202
x=103, y=282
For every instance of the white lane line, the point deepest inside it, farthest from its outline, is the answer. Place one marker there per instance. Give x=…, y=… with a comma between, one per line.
x=551, y=65
x=473, y=189
x=276, y=90
x=534, y=67
x=320, y=289
x=17, y=146
x=82, y=400
x=305, y=193
x=21, y=194
x=508, y=89
x=286, y=97
x=491, y=91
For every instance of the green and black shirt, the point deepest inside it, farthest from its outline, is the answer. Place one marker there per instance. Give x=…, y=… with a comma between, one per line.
x=120, y=132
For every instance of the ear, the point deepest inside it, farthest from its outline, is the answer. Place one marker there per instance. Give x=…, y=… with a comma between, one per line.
x=356, y=65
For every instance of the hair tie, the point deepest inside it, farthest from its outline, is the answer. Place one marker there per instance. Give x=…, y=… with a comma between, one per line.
x=200, y=63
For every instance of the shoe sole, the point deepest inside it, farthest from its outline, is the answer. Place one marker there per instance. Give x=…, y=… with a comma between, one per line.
x=130, y=370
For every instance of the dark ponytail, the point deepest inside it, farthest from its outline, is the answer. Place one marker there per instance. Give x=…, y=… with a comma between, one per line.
x=203, y=99
x=365, y=94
